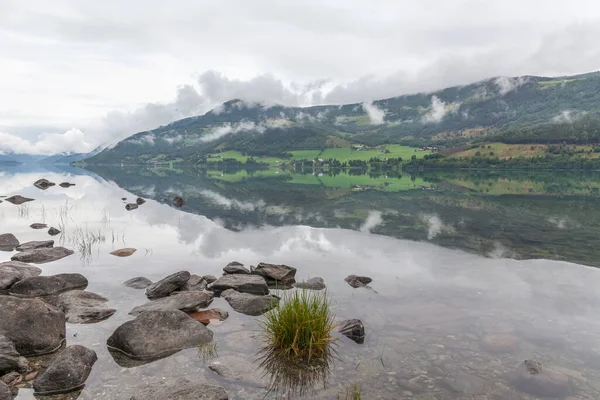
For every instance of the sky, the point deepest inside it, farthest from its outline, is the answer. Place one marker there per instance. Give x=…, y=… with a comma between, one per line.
x=83, y=73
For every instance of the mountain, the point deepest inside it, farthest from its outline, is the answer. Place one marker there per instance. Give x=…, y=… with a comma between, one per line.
x=19, y=158
x=67, y=157
x=522, y=109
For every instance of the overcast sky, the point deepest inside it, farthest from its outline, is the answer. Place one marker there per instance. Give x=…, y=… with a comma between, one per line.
x=75, y=74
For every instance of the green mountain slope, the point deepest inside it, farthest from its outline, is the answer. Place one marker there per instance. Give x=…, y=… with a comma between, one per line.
x=521, y=110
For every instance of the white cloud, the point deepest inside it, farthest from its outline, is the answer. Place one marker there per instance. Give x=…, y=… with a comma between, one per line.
x=376, y=115
x=72, y=140
x=507, y=84
x=568, y=116
x=438, y=111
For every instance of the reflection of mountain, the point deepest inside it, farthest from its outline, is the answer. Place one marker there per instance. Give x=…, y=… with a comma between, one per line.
x=560, y=223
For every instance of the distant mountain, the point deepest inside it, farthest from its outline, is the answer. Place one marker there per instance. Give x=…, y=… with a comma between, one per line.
x=67, y=158
x=20, y=158
x=495, y=108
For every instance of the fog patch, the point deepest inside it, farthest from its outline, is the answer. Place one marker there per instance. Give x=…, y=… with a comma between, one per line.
x=568, y=116
x=373, y=220
x=147, y=140
x=376, y=114
x=506, y=84
x=500, y=251
x=437, y=113
x=173, y=139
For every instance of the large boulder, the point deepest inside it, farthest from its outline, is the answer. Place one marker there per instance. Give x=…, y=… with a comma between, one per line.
x=14, y=271
x=138, y=282
x=167, y=285
x=358, y=281
x=43, y=184
x=8, y=242
x=18, y=199
x=5, y=393
x=315, y=283
x=48, y=285
x=235, y=267
x=10, y=359
x=34, y=326
x=196, y=283
x=241, y=283
x=279, y=276
x=183, y=301
x=179, y=389
x=250, y=304
x=156, y=334
x=531, y=377
x=35, y=245
x=81, y=307
x=67, y=372
x=209, y=278
x=41, y=256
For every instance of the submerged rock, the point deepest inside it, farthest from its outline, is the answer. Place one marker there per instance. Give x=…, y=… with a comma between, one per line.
x=10, y=359
x=241, y=283
x=180, y=389
x=353, y=329
x=131, y=206
x=139, y=201
x=178, y=201
x=139, y=282
x=167, y=285
x=38, y=226
x=8, y=242
x=123, y=252
x=13, y=271
x=67, y=373
x=18, y=199
x=183, y=301
x=81, y=307
x=196, y=283
x=315, y=283
x=358, y=281
x=53, y=231
x=48, y=285
x=35, y=245
x=205, y=316
x=34, y=326
x=250, y=304
x=43, y=184
x=534, y=379
x=41, y=256
x=157, y=334
x=280, y=276
x=235, y=268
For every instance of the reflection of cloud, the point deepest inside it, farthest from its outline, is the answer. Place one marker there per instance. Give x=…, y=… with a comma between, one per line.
x=373, y=220
x=232, y=203
x=434, y=225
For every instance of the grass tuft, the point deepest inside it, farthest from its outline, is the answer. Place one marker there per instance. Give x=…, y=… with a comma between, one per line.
x=352, y=393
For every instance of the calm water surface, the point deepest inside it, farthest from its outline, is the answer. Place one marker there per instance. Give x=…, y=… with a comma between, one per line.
x=471, y=274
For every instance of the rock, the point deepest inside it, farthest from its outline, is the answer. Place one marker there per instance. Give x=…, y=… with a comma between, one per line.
x=53, y=231
x=14, y=271
x=157, y=334
x=196, y=283
x=167, y=285
x=209, y=278
x=81, y=307
x=8, y=242
x=353, y=329
x=11, y=379
x=235, y=268
x=532, y=378
x=48, y=285
x=315, y=283
x=178, y=201
x=10, y=360
x=131, y=206
x=67, y=372
x=35, y=245
x=124, y=198
x=18, y=200
x=66, y=185
x=41, y=256
x=138, y=283
x=250, y=304
x=5, y=392
x=205, y=316
x=183, y=301
x=180, y=389
x=123, y=252
x=241, y=283
x=280, y=276
x=140, y=201
x=43, y=184
x=34, y=327
x=358, y=281
x=38, y=226
x=500, y=343
x=466, y=384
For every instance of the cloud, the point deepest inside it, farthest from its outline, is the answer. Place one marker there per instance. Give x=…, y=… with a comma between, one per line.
x=568, y=116
x=506, y=84
x=72, y=140
x=376, y=115
x=437, y=113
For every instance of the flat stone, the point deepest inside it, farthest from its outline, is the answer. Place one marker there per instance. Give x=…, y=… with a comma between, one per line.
x=179, y=389
x=196, y=283
x=131, y=206
x=139, y=282
x=18, y=199
x=8, y=242
x=53, y=231
x=167, y=285
x=81, y=307
x=315, y=283
x=35, y=245
x=38, y=226
x=157, y=334
x=41, y=256
x=205, y=316
x=250, y=304
x=43, y=184
x=534, y=379
x=280, y=276
x=358, y=281
x=183, y=301
x=126, y=252
x=14, y=271
x=10, y=359
x=209, y=278
x=235, y=268
x=241, y=283
x=353, y=329
x=48, y=285
x=34, y=326
x=67, y=372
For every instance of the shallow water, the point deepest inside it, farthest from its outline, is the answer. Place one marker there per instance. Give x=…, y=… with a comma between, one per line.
x=435, y=304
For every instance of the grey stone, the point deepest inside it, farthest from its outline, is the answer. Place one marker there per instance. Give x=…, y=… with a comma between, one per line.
x=131, y=206
x=196, y=283
x=38, y=226
x=10, y=359
x=157, y=334
x=35, y=245
x=466, y=384
x=48, y=285
x=81, y=307
x=209, y=278
x=353, y=329
x=534, y=379
x=14, y=271
x=53, y=231
x=138, y=283
x=18, y=199
x=167, y=285
x=183, y=301
x=250, y=304
x=358, y=281
x=178, y=202
x=241, y=283
x=8, y=242
x=66, y=185
x=280, y=276
x=139, y=201
x=43, y=184
x=315, y=283
x=34, y=326
x=5, y=393
x=12, y=378
x=235, y=268
x=180, y=389
x=41, y=256
x=67, y=372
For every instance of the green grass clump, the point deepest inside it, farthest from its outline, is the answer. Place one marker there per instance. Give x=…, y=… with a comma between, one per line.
x=352, y=393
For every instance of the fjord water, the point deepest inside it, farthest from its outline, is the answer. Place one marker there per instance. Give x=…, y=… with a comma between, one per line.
x=472, y=273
